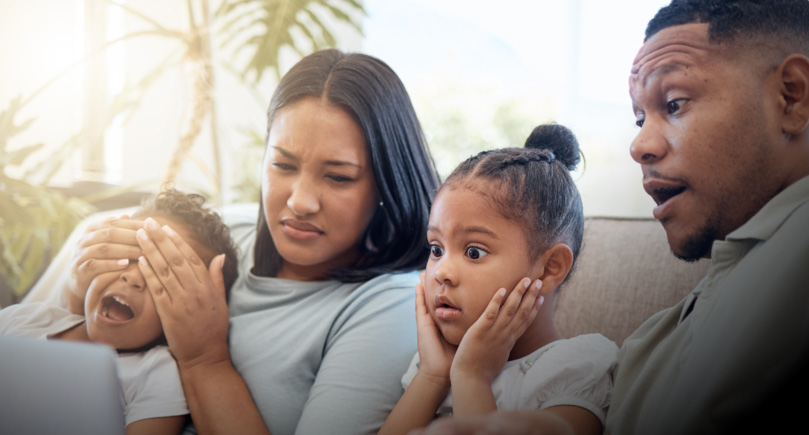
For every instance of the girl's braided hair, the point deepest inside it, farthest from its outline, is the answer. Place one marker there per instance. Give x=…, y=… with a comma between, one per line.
x=532, y=186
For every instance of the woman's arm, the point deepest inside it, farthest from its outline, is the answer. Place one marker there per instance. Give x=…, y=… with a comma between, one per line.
x=190, y=301
x=157, y=426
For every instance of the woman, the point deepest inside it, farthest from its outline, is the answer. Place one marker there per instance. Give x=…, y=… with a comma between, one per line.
x=321, y=323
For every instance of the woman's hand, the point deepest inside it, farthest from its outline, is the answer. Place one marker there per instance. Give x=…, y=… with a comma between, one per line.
x=104, y=247
x=189, y=297
x=486, y=346
x=435, y=353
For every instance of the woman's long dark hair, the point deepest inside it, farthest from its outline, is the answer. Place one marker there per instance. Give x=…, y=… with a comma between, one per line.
x=405, y=175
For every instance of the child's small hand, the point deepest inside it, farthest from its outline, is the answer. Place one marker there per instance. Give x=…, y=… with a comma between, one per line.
x=486, y=346
x=435, y=354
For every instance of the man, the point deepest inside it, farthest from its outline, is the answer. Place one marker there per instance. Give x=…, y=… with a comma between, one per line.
x=720, y=90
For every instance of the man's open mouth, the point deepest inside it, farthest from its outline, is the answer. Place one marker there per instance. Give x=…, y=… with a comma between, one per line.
x=115, y=308
x=663, y=194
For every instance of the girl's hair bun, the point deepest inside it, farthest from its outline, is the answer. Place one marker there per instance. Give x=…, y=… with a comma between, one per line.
x=557, y=139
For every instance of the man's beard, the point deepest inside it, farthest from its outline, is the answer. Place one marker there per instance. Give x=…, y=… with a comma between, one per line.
x=699, y=245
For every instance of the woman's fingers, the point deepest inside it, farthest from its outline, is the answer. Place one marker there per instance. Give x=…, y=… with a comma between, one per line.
x=194, y=262
x=161, y=268
x=117, y=232
x=161, y=297
x=165, y=257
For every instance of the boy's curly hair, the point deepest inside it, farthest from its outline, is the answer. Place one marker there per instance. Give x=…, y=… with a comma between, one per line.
x=206, y=225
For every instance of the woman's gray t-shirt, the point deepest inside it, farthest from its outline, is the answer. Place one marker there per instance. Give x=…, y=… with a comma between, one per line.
x=321, y=357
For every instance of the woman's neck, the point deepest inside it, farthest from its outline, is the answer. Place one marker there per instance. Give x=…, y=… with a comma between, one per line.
x=295, y=272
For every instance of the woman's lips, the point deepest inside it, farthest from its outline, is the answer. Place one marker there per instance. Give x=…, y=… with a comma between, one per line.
x=300, y=230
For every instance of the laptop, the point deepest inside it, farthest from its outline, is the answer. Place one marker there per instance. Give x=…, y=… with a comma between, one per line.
x=64, y=387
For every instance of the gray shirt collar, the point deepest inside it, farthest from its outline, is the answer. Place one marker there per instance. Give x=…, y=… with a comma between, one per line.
x=767, y=221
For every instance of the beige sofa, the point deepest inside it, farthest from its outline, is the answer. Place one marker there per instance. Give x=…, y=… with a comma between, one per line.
x=626, y=273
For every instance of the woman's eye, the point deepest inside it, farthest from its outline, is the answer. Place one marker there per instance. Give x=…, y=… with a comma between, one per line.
x=674, y=106
x=340, y=178
x=475, y=253
x=436, y=251
x=639, y=122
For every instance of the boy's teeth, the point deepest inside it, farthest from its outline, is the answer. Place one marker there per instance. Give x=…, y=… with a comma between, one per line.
x=120, y=301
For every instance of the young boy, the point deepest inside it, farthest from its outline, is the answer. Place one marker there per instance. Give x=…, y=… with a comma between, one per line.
x=119, y=312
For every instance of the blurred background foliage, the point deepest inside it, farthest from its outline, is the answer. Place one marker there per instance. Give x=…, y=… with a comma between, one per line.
x=35, y=218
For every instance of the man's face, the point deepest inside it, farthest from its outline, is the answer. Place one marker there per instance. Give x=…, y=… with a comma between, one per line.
x=708, y=138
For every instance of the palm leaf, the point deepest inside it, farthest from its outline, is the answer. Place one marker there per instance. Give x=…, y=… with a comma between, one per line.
x=264, y=27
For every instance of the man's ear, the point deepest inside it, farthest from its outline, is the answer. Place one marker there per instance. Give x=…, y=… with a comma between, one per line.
x=554, y=265
x=794, y=75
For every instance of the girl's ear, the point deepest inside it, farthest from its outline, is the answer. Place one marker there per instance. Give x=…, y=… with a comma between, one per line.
x=554, y=265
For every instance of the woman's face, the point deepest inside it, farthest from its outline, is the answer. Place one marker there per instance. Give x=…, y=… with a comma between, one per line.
x=319, y=192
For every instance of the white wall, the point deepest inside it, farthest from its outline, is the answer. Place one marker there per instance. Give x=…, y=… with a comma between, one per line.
x=462, y=61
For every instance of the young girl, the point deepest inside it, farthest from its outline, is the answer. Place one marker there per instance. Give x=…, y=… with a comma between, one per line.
x=505, y=219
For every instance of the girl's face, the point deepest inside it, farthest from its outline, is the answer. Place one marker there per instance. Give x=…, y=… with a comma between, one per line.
x=319, y=192
x=474, y=251
x=119, y=309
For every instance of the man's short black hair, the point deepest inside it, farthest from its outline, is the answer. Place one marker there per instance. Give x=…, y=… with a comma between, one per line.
x=786, y=21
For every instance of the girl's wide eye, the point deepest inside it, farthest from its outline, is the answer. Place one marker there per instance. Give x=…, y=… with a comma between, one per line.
x=475, y=253
x=436, y=251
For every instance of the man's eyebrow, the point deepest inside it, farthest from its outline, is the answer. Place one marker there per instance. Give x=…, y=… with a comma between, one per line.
x=665, y=69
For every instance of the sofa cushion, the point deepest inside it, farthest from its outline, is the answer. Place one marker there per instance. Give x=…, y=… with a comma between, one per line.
x=625, y=273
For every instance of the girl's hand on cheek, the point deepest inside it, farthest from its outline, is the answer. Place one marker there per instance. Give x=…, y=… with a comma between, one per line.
x=190, y=298
x=435, y=353
x=486, y=346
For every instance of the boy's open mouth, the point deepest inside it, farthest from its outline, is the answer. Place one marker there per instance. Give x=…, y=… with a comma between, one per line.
x=115, y=308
